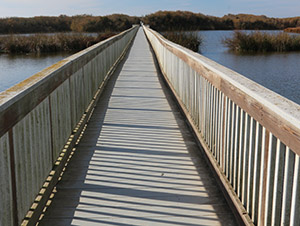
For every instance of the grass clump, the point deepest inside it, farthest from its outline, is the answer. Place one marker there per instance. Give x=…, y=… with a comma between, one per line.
x=262, y=42
x=189, y=40
x=292, y=29
x=42, y=43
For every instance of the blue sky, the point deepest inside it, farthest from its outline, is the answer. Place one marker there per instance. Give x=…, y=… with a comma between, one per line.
x=27, y=8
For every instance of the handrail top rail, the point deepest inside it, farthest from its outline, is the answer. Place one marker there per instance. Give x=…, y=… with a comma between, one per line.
x=278, y=114
x=16, y=92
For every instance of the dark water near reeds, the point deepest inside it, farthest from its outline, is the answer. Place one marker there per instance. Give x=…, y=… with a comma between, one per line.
x=279, y=72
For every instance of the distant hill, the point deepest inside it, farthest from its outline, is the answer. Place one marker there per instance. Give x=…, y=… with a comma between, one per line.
x=161, y=21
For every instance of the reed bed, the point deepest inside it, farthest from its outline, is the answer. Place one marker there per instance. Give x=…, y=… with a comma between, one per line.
x=242, y=42
x=189, y=40
x=43, y=43
x=292, y=29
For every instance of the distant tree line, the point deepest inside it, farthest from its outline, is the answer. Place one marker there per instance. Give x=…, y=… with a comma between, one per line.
x=181, y=20
x=80, y=23
x=161, y=21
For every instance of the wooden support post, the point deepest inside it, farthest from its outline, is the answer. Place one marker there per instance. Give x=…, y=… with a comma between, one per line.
x=13, y=177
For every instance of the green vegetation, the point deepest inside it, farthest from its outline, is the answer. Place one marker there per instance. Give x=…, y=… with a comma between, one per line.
x=292, y=29
x=189, y=40
x=41, y=43
x=242, y=42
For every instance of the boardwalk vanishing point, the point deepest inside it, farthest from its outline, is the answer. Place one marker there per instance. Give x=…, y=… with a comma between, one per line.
x=137, y=130
x=137, y=163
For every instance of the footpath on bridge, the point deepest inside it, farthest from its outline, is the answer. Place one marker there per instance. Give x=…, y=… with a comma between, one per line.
x=137, y=163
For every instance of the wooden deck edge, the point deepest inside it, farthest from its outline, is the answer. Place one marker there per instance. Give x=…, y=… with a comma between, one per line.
x=34, y=214
x=233, y=201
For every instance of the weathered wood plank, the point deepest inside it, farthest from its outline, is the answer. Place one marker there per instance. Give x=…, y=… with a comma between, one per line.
x=266, y=110
x=60, y=116
x=278, y=114
x=32, y=145
x=137, y=162
x=6, y=204
x=40, y=116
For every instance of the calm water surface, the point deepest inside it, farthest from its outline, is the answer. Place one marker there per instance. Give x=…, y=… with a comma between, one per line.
x=16, y=68
x=279, y=72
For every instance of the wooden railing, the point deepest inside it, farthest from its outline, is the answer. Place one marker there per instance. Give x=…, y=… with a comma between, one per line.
x=250, y=134
x=40, y=120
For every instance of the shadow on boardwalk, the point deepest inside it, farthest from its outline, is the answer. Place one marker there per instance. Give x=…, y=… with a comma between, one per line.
x=137, y=163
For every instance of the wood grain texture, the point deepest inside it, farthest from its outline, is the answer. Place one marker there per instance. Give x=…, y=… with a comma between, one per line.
x=32, y=145
x=6, y=204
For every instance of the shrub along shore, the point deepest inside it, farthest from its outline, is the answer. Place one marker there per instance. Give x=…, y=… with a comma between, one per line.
x=292, y=29
x=41, y=43
x=242, y=42
x=189, y=40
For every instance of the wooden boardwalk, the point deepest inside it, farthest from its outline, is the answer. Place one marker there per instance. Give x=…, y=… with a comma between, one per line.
x=137, y=163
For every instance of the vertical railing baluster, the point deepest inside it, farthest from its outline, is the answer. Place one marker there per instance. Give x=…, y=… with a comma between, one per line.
x=236, y=148
x=214, y=122
x=229, y=113
x=255, y=172
x=232, y=142
x=223, y=134
x=267, y=177
x=275, y=182
x=244, y=159
x=286, y=198
x=240, y=154
x=294, y=216
x=209, y=98
x=250, y=169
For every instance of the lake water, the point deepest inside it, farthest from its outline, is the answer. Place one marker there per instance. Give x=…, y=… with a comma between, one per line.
x=16, y=68
x=279, y=72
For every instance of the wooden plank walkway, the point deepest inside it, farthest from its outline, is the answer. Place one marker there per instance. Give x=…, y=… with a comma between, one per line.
x=137, y=163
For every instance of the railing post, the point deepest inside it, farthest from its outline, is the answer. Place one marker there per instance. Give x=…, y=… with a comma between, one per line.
x=222, y=149
x=263, y=180
x=13, y=177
